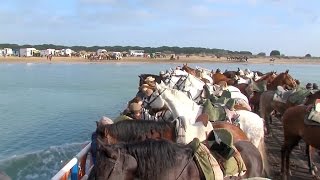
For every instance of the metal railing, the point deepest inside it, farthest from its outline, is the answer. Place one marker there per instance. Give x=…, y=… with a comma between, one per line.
x=76, y=167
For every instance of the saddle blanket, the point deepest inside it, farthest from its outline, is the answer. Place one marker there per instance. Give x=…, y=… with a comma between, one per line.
x=282, y=95
x=314, y=116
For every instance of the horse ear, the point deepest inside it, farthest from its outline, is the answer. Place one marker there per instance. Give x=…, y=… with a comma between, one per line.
x=287, y=71
x=204, y=118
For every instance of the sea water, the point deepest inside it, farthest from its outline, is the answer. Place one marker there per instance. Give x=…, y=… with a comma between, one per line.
x=48, y=111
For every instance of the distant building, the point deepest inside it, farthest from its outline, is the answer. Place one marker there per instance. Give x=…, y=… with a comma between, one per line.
x=16, y=52
x=7, y=52
x=1, y=52
x=136, y=53
x=47, y=52
x=65, y=52
x=26, y=52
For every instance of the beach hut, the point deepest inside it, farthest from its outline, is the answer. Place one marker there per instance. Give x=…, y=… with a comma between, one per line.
x=47, y=52
x=27, y=52
x=7, y=52
x=136, y=53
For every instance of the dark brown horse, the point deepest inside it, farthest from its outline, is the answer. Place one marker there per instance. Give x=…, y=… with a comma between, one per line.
x=136, y=130
x=161, y=160
x=267, y=104
x=295, y=129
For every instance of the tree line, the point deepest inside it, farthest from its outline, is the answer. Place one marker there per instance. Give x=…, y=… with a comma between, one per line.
x=164, y=49
x=168, y=49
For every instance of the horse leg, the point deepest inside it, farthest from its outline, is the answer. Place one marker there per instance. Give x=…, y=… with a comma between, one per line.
x=289, y=144
x=312, y=167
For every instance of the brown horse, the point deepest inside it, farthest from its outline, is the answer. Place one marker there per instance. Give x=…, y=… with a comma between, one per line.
x=294, y=130
x=189, y=70
x=310, y=151
x=218, y=77
x=283, y=79
x=161, y=160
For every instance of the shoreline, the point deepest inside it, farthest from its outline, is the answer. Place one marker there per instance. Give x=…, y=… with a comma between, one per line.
x=182, y=60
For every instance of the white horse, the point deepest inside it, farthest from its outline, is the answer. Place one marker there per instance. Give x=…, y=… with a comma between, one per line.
x=236, y=93
x=187, y=83
x=181, y=106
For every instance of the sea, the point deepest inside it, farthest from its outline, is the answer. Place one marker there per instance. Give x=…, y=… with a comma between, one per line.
x=48, y=111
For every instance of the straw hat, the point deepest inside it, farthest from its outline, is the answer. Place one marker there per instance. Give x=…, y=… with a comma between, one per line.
x=149, y=79
x=144, y=87
x=135, y=107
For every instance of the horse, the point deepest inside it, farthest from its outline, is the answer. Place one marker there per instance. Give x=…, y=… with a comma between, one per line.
x=137, y=130
x=163, y=160
x=283, y=79
x=189, y=70
x=295, y=129
x=181, y=106
x=217, y=77
x=254, y=96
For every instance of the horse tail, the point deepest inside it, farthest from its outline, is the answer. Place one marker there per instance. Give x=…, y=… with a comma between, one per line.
x=262, y=150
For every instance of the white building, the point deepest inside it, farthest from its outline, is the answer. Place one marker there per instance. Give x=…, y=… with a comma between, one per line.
x=66, y=52
x=26, y=52
x=1, y=52
x=137, y=53
x=100, y=51
x=7, y=52
x=47, y=52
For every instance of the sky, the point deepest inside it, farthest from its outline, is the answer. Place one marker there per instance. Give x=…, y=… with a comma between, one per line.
x=291, y=26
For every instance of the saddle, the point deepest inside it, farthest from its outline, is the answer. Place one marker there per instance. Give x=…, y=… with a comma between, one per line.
x=220, y=143
x=216, y=113
x=313, y=117
x=282, y=95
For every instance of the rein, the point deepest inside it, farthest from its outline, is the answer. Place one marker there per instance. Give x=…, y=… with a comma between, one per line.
x=187, y=164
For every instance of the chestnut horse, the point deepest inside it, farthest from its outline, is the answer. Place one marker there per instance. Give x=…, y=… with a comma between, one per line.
x=218, y=77
x=295, y=129
x=189, y=70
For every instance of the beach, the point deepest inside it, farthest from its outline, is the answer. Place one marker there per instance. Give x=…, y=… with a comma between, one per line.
x=182, y=59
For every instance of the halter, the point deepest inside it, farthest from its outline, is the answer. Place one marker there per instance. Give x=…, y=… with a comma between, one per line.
x=149, y=103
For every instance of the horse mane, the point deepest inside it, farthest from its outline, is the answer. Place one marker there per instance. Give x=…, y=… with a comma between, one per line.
x=135, y=130
x=155, y=157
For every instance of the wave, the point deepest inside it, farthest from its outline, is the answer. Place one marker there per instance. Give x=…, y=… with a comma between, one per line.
x=41, y=164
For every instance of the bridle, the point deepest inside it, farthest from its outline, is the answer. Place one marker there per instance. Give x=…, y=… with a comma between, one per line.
x=150, y=102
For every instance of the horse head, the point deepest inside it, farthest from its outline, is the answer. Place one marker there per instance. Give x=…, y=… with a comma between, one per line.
x=114, y=164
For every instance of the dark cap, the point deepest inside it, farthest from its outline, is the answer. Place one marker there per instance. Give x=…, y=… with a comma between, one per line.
x=309, y=86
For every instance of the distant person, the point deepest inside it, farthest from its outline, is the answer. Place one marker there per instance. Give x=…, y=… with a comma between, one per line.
x=103, y=121
x=315, y=86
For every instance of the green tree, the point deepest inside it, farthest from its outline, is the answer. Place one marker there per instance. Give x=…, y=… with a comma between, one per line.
x=275, y=53
x=308, y=56
x=262, y=54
